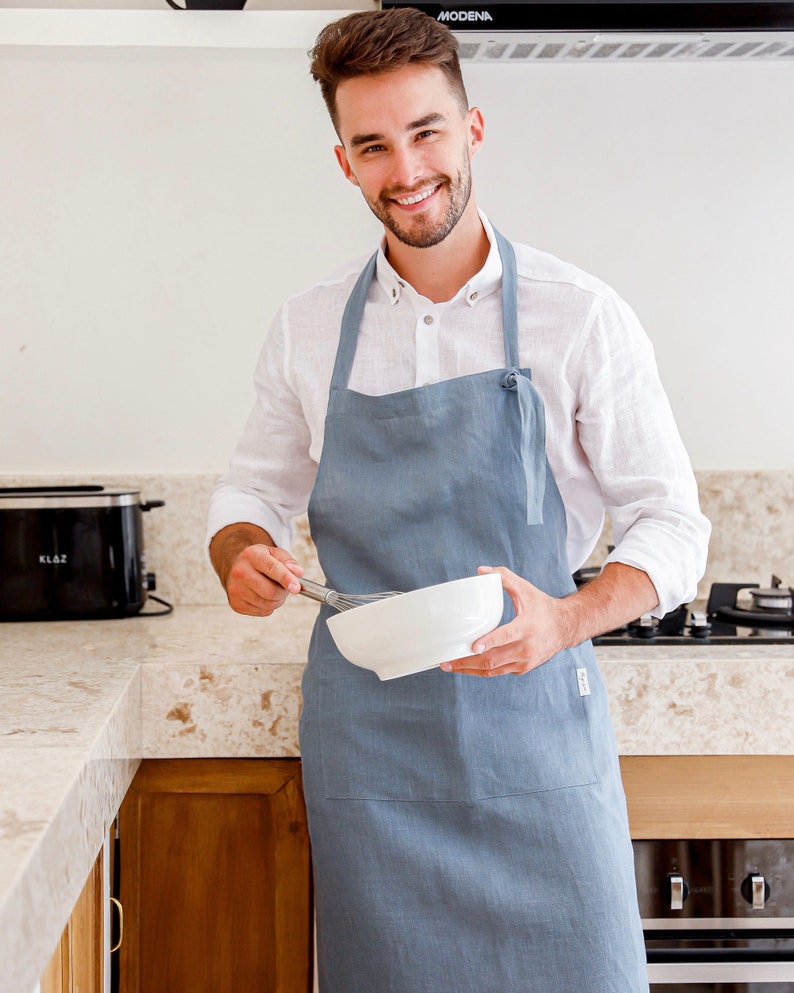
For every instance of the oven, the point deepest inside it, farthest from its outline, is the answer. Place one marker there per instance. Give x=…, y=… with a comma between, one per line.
x=718, y=915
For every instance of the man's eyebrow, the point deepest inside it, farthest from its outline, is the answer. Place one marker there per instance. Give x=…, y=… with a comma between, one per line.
x=423, y=122
x=364, y=139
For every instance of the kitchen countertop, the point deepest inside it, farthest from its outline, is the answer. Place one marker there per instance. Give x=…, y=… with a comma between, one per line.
x=83, y=702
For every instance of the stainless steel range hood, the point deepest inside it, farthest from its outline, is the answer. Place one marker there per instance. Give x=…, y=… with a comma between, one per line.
x=516, y=31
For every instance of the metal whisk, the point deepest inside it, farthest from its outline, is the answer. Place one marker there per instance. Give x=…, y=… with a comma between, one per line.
x=340, y=601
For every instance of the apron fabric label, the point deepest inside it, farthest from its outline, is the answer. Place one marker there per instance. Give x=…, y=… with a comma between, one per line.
x=584, y=686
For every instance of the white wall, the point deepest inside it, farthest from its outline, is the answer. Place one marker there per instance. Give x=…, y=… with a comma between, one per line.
x=157, y=207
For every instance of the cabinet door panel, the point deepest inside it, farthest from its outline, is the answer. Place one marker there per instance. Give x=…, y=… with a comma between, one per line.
x=215, y=878
x=76, y=965
x=56, y=975
x=85, y=934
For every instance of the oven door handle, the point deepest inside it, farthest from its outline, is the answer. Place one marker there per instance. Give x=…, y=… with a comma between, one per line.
x=690, y=955
x=680, y=973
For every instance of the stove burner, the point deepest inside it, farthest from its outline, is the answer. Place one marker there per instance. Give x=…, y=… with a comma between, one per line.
x=754, y=618
x=771, y=607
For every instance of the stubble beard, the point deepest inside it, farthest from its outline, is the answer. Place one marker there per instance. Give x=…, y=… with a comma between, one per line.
x=425, y=232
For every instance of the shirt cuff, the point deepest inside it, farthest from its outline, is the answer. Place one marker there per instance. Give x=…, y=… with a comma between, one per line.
x=232, y=505
x=674, y=562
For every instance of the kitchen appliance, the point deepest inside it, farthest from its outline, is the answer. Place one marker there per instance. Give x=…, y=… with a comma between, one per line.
x=735, y=613
x=517, y=31
x=70, y=552
x=718, y=915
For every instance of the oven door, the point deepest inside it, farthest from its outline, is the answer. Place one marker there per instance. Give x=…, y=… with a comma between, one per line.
x=720, y=956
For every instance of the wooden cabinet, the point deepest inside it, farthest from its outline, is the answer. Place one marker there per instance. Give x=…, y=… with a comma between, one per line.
x=77, y=965
x=709, y=796
x=215, y=878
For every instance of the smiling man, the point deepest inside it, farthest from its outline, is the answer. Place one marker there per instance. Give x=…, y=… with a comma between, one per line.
x=394, y=166
x=458, y=402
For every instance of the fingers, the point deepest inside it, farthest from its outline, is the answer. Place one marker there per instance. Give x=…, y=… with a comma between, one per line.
x=276, y=564
x=475, y=666
x=261, y=579
x=503, y=653
x=518, y=646
x=512, y=584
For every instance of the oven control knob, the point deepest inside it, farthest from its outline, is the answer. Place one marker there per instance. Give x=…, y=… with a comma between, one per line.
x=755, y=890
x=699, y=625
x=675, y=891
x=643, y=627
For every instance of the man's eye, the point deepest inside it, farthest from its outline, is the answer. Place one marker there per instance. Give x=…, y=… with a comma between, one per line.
x=372, y=148
x=425, y=134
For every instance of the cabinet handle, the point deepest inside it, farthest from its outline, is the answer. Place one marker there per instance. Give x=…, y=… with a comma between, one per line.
x=114, y=901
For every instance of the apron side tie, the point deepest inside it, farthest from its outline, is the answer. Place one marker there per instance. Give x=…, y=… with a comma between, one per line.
x=533, y=441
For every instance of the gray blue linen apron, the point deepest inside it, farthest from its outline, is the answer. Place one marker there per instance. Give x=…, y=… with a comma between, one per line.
x=468, y=835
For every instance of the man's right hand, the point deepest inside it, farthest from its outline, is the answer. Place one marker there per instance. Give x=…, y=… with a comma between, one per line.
x=256, y=575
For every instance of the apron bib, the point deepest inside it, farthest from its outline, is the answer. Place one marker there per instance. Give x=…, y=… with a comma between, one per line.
x=416, y=488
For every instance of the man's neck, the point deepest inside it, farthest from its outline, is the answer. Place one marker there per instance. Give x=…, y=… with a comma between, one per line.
x=439, y=272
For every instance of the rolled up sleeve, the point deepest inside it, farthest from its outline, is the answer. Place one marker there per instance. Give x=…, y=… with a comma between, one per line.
x=629, y=435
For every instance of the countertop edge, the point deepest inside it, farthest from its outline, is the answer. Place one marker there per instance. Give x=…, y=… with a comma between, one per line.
x=30, y=923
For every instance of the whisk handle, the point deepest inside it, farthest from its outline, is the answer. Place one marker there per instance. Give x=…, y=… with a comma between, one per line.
x=314, y=591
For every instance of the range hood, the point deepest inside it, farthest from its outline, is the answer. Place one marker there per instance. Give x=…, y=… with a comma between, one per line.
x=515, y=31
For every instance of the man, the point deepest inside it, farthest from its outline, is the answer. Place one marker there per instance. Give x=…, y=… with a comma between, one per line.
x=459, y=403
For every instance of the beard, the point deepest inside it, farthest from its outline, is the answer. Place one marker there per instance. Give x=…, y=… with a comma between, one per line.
x=424, y=232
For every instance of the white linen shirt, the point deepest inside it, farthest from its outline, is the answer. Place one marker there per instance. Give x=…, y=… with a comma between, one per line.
x=611, y=439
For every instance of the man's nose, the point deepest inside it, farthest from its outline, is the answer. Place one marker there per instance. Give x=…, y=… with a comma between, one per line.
x=407, y=166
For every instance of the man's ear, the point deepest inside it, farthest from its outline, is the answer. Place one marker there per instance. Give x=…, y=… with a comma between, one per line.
x=344, y=164
x=476, y=130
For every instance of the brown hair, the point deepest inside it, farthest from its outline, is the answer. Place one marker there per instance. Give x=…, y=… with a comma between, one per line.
x=377, y=42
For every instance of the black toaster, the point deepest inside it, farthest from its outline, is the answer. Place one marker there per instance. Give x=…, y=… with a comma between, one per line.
x=71, y=552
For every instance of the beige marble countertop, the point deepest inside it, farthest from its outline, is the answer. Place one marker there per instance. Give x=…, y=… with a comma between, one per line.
x=83, y=702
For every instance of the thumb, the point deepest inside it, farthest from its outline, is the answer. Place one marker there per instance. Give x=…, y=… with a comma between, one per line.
x=514, y=585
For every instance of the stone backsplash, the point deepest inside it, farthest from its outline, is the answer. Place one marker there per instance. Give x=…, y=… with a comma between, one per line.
x=752, y=516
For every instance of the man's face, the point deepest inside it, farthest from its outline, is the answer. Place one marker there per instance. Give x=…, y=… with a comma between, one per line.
x=407, y=144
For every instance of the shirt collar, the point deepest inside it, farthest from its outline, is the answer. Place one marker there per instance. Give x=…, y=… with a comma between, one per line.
x=481, y=284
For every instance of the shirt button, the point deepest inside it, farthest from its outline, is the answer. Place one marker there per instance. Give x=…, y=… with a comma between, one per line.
x=428, y=319
x=473, y=296
x=393, y=292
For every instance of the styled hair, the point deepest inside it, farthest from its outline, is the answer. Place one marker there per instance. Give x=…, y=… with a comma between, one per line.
x=378, y=42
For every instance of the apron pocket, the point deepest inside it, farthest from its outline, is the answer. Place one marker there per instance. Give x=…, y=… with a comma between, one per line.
x=435, y=736
x=537, y=734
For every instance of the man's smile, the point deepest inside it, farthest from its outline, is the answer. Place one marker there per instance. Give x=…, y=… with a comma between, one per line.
x=418, y=197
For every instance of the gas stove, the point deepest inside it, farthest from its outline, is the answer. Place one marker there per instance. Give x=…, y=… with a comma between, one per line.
x=735, y=614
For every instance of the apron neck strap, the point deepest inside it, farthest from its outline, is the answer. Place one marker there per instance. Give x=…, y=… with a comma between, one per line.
x=354, y=310
x=509, y=300
x=351, y=320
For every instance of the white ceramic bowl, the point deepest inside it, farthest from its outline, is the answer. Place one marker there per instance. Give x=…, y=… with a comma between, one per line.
x=421, y=629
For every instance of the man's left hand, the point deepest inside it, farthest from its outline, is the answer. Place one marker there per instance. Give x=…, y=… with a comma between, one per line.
x=538, y=631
